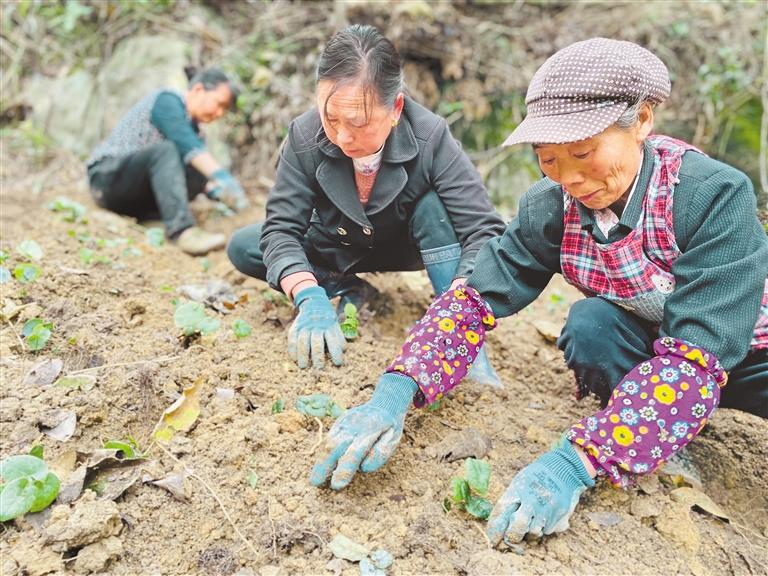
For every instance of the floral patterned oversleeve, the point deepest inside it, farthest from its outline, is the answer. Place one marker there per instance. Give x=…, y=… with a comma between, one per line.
x=441, y=347
x=657, y=408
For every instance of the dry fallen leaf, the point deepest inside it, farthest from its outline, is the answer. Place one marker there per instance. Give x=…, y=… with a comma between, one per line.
x=83, y=382
x=181, y=415
x=549, y=330
x=176, y=484
x=698, y=501
x=43, y=373
x=65, y=428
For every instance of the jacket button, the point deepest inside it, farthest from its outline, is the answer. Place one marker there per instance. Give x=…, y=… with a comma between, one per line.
x=367, y=231
x=341, y=231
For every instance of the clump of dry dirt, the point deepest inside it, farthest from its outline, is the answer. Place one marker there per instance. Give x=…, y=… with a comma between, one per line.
x=118, y=317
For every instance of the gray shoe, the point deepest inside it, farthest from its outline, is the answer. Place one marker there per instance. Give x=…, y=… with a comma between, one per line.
x=196, y=242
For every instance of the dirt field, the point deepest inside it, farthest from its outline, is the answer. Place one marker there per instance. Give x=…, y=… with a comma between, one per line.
x=117, y=317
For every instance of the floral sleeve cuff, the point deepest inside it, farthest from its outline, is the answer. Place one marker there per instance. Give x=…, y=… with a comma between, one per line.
x=441, y=347
x=656, y=409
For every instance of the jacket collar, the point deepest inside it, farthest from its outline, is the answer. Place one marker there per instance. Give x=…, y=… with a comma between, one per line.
x=335, y=172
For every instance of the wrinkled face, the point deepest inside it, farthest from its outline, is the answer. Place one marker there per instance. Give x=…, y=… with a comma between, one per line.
x=597, y=171
x=358, y=127
x=208, y=105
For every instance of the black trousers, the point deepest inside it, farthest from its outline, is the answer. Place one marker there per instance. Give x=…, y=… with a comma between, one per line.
x=602, y=342
x=150, y=183
x=430, y=226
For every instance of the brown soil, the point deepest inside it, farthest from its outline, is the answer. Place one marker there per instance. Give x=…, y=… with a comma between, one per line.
x=123, y=313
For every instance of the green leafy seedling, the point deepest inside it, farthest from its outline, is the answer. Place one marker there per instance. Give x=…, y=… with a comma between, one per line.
x=253, y=479
x=193, y=320
x=30, y=250
x=468, y=493
x=318, y=406
x=89, y=257
x=128, y=447
x=5, y=275
x=351, y=322
x=26, y=272
x=278, y=406
x=27, y=486
x=37, y=332
x=241, y=328
x=36, y=451
x=71, y=210
x=436, y=405
x=3, y=256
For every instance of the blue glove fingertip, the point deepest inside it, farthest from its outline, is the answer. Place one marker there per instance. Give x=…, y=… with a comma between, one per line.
x=321, y=471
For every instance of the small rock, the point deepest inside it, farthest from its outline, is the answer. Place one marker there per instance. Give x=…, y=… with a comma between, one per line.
x=89, y=521
x=225, y=394
x=346, y=548
x=648, y=483
x=95, y=557
x=368, y=569
x=382, y=559
x=269, y=571
x=675, y=524
x=34, y=559
x=603, y=519
x=336, y=565
x=644, y=507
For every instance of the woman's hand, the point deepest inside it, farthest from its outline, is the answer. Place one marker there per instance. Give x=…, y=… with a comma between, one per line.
x=315, y=328
x=541, y=497
x=227, y=189
x=365, y=437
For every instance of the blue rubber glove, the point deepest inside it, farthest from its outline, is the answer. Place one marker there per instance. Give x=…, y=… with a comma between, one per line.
x=541, y=497
x=366, y=436
x=227, y=189
x=315, y=328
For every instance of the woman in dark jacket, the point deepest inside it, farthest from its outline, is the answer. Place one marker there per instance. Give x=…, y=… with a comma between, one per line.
x=367, y=181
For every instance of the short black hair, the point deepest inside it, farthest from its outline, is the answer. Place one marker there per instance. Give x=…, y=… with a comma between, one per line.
x=363, y=54
x=212, y=78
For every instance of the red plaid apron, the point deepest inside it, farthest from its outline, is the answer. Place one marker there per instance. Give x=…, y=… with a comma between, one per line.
x=634, y=272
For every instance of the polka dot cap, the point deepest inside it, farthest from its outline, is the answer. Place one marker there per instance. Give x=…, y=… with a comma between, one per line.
x=583, y=89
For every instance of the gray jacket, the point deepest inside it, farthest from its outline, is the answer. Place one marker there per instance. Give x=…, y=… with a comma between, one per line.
x=315, y=195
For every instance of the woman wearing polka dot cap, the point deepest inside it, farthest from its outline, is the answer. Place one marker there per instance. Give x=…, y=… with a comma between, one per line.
x=664, y=243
